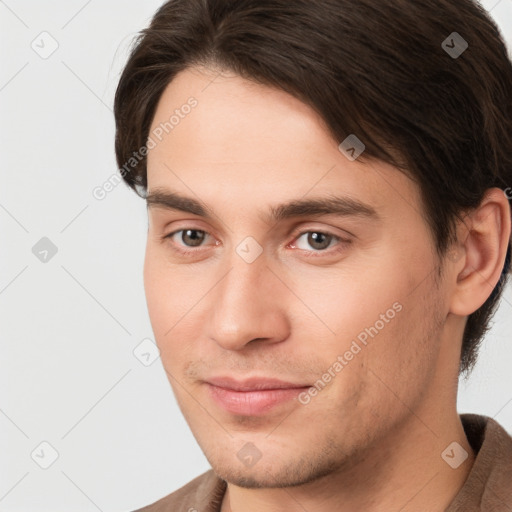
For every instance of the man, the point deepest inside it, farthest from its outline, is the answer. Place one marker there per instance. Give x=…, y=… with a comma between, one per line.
x=328, y=190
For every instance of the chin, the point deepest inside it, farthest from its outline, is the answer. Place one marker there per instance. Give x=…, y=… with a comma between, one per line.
x=270, y=475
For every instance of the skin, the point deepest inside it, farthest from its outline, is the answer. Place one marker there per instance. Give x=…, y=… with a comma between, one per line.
x=372, y=439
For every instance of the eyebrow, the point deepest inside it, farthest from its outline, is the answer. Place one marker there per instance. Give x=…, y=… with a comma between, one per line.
x=330, y=205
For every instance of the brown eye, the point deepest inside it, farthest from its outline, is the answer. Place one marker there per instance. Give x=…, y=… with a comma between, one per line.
x=188, y=238
x=319, y=240
x=319, y=244
x=192, y=237
x=316, y=240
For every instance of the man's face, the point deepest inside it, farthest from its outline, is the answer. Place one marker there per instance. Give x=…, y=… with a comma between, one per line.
x=286, y=298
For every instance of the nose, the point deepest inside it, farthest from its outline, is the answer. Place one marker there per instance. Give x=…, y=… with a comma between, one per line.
x=248, y=304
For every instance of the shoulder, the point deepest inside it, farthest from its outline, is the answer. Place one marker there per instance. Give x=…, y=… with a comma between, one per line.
x=487, y=437
x=202, y=494
x=489, y=484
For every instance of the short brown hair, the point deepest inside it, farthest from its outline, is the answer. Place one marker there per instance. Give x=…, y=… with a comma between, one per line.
x=375, y=69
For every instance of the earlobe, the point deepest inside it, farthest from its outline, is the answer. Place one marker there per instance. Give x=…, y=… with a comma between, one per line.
x=483, y=249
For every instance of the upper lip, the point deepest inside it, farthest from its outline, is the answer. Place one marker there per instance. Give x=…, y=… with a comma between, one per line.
x=252, y=384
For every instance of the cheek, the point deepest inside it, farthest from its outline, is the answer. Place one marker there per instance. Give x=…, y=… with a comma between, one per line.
x=374, y=313
x=164, y=298
x=339, y=303
x=403, y=357
x=155, y=286
x=172, y=295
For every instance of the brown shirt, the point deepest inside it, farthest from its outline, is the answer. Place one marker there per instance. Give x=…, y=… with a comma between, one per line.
x=488, y=487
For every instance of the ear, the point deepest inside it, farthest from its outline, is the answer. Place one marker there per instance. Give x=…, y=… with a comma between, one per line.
x=484, y=237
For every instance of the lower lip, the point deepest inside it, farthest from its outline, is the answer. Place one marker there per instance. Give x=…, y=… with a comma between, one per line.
x=252, y=403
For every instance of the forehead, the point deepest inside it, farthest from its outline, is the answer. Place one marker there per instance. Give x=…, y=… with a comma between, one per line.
x=245, y=141
x=236, y=115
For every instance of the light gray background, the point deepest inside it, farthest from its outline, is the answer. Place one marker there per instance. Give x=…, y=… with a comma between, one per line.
x=69, y=326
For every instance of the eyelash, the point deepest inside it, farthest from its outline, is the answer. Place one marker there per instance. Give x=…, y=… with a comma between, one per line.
x=314, y=253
